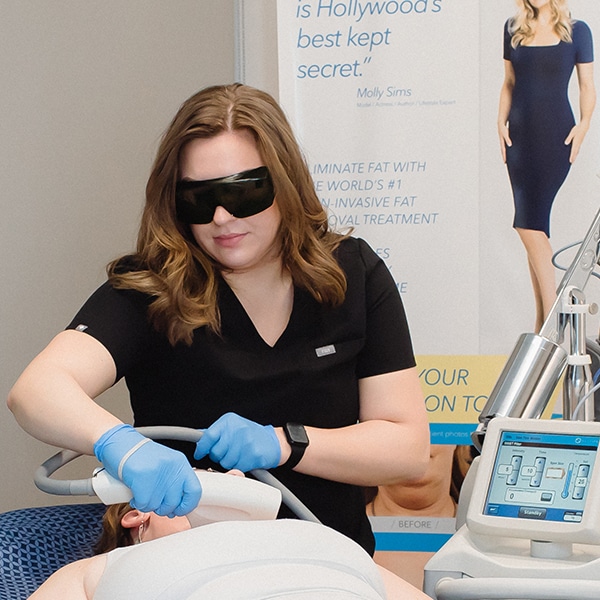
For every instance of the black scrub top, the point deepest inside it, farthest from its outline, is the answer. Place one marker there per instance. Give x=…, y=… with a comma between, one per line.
x=309, y=376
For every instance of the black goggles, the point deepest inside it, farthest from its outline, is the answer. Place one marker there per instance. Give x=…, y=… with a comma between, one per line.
x=242, y=195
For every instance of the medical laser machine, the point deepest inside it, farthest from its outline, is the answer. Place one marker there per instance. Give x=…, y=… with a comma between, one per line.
x=529, y=513
x=532, y=528
x=224, y=497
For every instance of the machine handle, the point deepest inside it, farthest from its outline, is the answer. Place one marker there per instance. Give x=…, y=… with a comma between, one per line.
x=85, y=487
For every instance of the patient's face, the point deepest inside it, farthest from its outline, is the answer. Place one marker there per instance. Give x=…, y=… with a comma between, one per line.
x=160, y=526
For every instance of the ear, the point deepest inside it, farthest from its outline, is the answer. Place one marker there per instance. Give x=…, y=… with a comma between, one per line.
x=236, y=473
x=133, y=518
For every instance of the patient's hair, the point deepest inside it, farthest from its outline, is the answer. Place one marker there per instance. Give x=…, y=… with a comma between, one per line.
x=114, y=535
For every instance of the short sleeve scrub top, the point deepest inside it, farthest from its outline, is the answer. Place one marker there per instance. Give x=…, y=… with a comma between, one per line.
x=309, y=376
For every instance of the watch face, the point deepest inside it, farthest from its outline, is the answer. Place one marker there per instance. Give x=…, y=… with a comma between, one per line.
x=297, y=433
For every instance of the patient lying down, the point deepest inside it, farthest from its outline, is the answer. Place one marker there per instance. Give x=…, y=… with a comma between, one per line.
x=231, y=559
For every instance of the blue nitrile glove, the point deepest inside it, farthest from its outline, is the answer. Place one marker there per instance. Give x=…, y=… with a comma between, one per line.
x=161, y=479
x=237, y=443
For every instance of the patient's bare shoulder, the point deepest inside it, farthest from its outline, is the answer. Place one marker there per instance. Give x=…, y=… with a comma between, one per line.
x=75, y=581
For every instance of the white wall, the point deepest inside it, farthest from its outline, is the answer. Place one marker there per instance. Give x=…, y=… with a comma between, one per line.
x=256, y=44
x=87, y=89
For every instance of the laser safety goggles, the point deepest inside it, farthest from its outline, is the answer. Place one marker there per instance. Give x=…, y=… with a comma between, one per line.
x=242, y=195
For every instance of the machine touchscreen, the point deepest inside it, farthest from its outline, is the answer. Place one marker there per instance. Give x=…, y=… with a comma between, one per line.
x=539, y=475
x=536, y=480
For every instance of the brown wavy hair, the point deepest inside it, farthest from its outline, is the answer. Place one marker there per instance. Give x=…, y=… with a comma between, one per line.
x=172, y=269
x=114, y=535
x=521, y=27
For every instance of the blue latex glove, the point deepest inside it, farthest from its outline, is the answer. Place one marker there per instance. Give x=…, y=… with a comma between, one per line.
x=161, y=479
x=237, y=443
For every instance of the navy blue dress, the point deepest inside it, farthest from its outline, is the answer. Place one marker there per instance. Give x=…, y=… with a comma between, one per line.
x=539, y=121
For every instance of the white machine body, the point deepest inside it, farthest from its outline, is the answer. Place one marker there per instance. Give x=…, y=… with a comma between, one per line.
x=532, y=526
x=224, y=497
x=476, y=566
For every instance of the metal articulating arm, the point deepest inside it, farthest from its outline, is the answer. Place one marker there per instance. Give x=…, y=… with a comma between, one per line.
x=538, y=361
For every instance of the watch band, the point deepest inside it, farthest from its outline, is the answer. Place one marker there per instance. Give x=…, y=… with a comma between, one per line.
x=298, y=441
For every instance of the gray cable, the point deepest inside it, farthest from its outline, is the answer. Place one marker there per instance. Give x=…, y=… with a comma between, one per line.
x=288, y=498
x=582, y=401
x=564, y=249
x=57, y=487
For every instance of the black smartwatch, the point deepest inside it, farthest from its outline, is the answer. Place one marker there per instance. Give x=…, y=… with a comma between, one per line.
x=298, y=440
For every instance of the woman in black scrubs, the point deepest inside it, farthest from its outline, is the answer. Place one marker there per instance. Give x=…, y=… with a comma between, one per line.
x=241, y=313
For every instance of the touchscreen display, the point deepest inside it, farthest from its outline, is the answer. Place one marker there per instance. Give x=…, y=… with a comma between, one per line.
x=543, y=476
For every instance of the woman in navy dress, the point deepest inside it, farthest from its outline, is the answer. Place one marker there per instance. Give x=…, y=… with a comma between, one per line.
x=539, y=136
